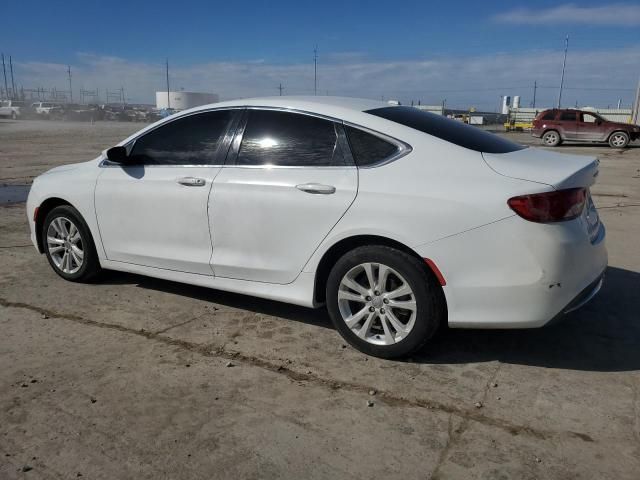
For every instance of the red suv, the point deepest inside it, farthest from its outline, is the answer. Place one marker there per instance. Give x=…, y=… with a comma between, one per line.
x=557, y=125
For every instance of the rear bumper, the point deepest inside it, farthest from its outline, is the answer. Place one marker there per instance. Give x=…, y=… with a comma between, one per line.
x=518, y=274
x=585, y=295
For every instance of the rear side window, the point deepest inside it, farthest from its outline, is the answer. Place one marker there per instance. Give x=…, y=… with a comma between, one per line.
x=550, y=115
x=191, y=140
x=289, y=139
x=368, y=149
x=447, y=129
x=568, y=116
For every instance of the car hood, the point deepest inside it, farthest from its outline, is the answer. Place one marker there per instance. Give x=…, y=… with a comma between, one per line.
x=62, y=168
x=542, y=166
x=622, y=125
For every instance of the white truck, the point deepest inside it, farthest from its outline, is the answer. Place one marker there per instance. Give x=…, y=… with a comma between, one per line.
x=11, y=109
x=46, y=109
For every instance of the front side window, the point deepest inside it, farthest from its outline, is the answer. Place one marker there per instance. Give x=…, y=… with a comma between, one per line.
x=550, y=115
x=289, y=139
x=368, y=149
x=568, y=116
x=589, y=118
x=192, y=140
x=452, y=131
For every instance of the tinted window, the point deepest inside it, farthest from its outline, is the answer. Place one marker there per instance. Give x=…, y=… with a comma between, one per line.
x=192, y=140
x=289, y=139
x=450, y=130
x=568, y=116
x=368, y=149
x=550, y=115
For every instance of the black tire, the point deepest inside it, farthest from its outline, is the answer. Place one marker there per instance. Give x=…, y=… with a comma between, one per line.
x=430, y=307
x=90, y=266
x=619, y=140
x=551, y=138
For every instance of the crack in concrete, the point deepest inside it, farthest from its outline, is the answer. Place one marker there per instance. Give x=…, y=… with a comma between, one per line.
x=455, y=435
x=389, y=398
x=158, y=332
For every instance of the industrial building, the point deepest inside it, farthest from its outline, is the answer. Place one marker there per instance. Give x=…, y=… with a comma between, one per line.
x=184, y=100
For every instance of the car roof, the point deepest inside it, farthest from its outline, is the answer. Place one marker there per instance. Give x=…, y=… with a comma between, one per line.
x=338, y=107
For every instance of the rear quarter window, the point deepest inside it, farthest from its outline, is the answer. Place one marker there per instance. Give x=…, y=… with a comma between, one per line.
x=447, y=129
x=368, y=149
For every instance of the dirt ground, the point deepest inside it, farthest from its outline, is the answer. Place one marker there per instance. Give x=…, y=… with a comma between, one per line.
x=140, y=378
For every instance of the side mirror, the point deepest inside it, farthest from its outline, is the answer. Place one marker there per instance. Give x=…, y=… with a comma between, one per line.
x=118, y=155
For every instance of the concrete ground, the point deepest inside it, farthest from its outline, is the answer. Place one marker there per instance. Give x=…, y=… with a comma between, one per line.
x=140, y=378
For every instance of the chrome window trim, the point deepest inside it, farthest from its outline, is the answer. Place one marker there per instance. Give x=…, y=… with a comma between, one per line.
x=403, y=147
x=105, y=163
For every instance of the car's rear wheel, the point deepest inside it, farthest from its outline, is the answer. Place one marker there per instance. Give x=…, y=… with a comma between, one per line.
x=69, y=246
x=551, y=138
x=619, y=140
x=384, y=301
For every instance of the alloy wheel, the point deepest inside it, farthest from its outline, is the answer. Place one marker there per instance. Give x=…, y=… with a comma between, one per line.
x=65, y=245
x=551, y=138
x=618, y=140
x=377, y=303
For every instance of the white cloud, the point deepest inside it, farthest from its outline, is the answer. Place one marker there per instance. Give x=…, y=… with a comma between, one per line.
x=617, y=14
x=602, y=75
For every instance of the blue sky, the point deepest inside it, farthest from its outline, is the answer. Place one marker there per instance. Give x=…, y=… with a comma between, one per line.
x=468, y=52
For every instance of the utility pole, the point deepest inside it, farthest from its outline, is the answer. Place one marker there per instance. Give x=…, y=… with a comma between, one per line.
x=168, y=100
x=4, y=70
x=315, y=70
x=635, y=111
x=280, y=87
x=13, y=84
x=70, y=89
x=564, y=63
x=535, y=88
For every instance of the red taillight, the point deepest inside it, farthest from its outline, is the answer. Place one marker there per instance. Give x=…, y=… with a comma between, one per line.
x=550, y=206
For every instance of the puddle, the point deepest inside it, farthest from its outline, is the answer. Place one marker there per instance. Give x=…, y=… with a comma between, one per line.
x=13, y=193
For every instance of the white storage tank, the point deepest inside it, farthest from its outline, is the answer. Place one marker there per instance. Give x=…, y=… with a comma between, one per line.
x=516, y=102
x=184, y=100
x=506, y=103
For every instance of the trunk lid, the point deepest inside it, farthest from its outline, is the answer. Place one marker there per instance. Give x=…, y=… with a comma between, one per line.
x=542, y=166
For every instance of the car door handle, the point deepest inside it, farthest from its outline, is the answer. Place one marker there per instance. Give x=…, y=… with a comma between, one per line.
x=316, y=188
x=192, y=181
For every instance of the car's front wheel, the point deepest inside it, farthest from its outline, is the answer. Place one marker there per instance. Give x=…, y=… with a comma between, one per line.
x=383, y=301
x=619, y=140
x=69, y=246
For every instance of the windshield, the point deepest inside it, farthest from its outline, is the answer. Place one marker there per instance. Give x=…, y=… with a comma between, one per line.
x=447, y=129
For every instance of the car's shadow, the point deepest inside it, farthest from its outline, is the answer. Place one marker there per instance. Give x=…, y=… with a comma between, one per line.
x=591, y=145
x=602, y=336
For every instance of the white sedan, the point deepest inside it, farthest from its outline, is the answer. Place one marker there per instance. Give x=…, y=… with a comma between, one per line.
x=397, y=219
